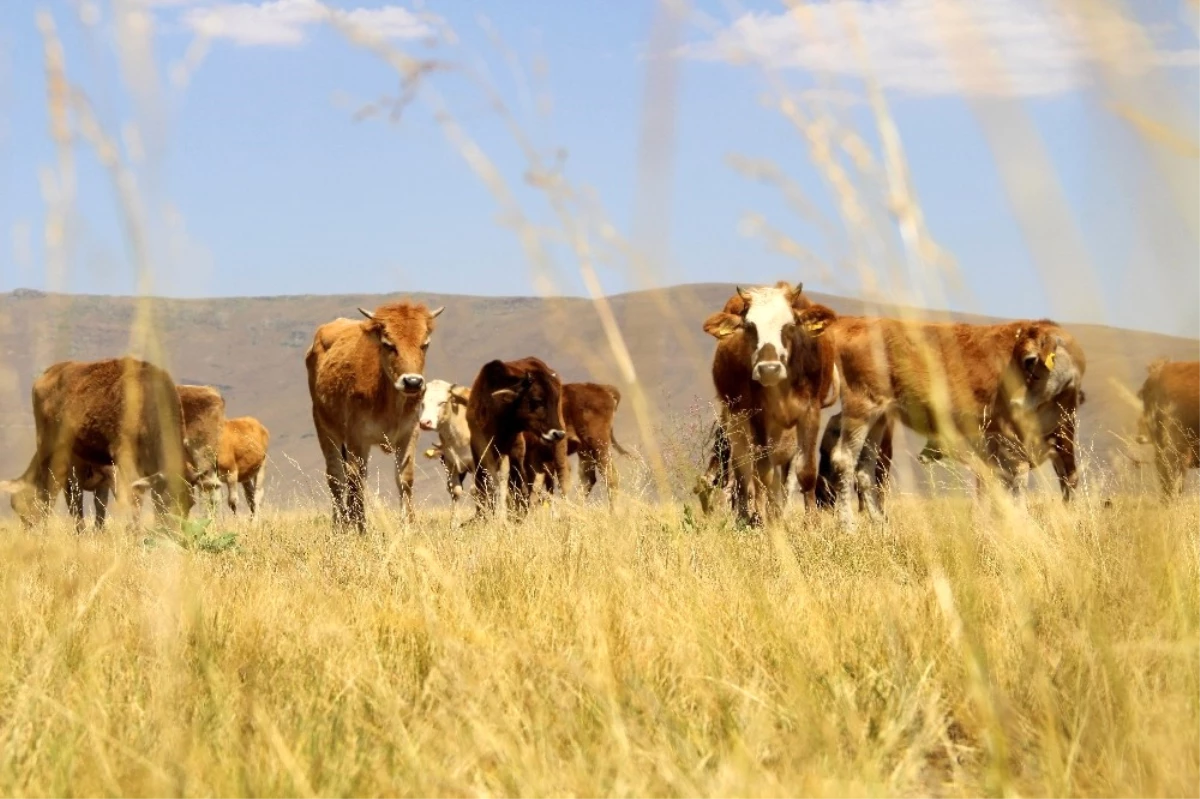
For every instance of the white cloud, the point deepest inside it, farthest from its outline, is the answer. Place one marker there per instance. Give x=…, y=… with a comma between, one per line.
x=932, y=47
x=286, y=23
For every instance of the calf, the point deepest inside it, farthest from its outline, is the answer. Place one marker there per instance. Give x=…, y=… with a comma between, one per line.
x=242, y=459
x=588, y=411
x=365, y=380
x=773, y=370
x=994, y=393
x=119, y=412
x=444, y=410
x=507, y=400
x=1170, y=419
x=718, y=478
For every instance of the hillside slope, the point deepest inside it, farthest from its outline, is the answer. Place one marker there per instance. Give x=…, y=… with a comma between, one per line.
x=253, y=350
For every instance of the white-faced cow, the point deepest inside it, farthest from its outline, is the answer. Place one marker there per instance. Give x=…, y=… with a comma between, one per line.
x=773, y=370
x=444, y=411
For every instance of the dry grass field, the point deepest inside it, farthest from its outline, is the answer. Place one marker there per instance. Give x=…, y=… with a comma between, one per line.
x=960, y=649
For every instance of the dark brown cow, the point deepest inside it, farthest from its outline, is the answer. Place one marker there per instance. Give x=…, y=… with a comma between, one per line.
x=991, y=392
x=772, y=371
x=1170, y=419
x=365, y=379
x=119, y=412
x=509, y=398
x=203, y=418
x=588, y=411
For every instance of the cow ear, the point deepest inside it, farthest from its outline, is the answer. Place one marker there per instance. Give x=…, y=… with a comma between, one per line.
x=722, y=324
x=11, y=486
x=815, y=319
x=460, y=394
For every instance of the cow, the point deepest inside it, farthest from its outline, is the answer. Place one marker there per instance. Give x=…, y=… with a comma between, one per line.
x=772, y=370
x=203, y=423
x=203, y=417
x=991, y=393
x=588, y=411
x=365, y=380
x=718, y=477
x=1170, y=419
x=507, y=399
x=118, y=412
x=444, y=411
x=241, y=459
x=827, y=479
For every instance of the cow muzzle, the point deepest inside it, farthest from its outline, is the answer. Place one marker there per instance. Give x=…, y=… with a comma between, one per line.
x=426, y=424
x=554, y=435
x=410, y=384
x=769, y=372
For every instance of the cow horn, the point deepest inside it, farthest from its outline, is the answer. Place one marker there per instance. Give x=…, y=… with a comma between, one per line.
x=367, y=314
x=745, y=295
x=434, y=313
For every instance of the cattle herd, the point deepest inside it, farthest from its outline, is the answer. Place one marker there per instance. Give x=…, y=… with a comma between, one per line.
x=1002, y=398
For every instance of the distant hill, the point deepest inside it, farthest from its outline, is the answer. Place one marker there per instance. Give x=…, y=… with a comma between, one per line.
x=252, y=349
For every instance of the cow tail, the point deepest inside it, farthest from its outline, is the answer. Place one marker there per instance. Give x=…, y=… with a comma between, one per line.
x=620, y=450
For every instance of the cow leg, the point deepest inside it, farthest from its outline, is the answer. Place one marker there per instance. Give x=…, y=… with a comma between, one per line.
x=253, y=489
x=356, y=487
x=588, y=468
x=231, y=484
x=100, y=504
x=807, y=458
x=845, y=461
x=1169, y=464
x=74, y=492
x=1063, y=457
x=741, y=455
x=335, y=476
x=405, y=469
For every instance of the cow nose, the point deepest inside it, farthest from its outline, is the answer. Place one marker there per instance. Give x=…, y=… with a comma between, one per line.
x=555, y=435
x=769, y=372
x=426, y=424
x=412, y=382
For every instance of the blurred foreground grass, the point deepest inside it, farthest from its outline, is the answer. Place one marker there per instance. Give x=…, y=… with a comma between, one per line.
x=958, y=650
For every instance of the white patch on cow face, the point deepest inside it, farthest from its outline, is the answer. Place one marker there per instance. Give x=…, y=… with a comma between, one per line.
x=770, y=319
x=433, y=404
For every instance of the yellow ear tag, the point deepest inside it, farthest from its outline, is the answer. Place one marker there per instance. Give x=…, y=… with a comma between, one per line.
x=816, y=326
x=1050, y=361
x=431, y=453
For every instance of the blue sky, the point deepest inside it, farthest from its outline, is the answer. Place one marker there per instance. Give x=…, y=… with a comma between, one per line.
x=238, y=127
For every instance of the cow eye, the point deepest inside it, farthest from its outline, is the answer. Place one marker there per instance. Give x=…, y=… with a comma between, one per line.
x=388, y=344
x=1029, y=361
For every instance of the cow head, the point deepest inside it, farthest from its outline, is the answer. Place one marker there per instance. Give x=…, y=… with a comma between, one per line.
x=1042, y=359
x=769, y=319
x=442, y=400
x=27, y=501
x=402, y=332
x=532, y=397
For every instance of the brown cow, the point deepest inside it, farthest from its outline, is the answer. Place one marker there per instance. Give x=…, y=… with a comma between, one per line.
x=242, y=458
x=990, y=392
x=203, y=417
x=508, y=399
x=1170, y=419
x=772, y=371
x=119, y=412
x=588, y=411
x=203, y=421
x=365, y=380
